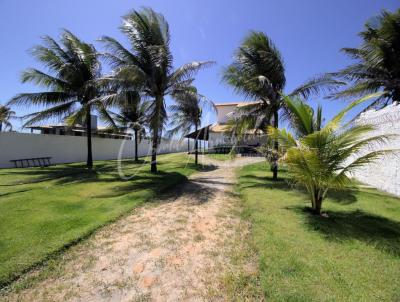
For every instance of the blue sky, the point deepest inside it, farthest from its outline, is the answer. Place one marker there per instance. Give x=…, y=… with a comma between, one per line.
x=309, y=34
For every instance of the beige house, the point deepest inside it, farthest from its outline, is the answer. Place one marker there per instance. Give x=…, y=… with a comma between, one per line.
x=218, y=134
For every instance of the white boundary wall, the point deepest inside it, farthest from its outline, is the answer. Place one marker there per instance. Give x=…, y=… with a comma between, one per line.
x=68, y=149
x=384, y=173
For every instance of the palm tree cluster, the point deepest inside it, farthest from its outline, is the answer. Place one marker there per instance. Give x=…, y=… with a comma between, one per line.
x=258, y=73
x=147, y=67
x=317, y=156
x=142, y=76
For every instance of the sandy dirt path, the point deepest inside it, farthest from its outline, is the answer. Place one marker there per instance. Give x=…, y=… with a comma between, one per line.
x=174, y=250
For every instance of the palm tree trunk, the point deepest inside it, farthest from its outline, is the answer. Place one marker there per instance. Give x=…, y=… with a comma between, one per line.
x=154, y=151
x=318, y=205
x=196, y=152
x=276, y=147
x=89, y=161
x=316, y=201
x=136, y=145
x=156, y=128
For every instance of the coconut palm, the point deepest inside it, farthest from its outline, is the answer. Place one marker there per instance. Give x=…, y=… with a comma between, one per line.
x=320, y=157
x=146, y=66
x=72, y=84
x=258, y=73
x=132, y=115
x=376, y=66
x=186, y=114
x=6, y=114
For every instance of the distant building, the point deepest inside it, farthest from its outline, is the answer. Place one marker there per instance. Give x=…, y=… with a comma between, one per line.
x=80, y=130
x=218, y=134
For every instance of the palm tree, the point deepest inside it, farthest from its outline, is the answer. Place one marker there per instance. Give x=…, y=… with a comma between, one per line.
x=132, y=115
x=321, y=157
x=71, y=82
x=147, y=66
x=6, y=114
x=258, y=73
x=186, y=115
x=376, y=66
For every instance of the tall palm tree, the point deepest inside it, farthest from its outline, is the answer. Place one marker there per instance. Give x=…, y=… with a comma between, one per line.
x=186, y=114
x=147, y=66
x=133, y=114
x=71, y=83
x=6, y=114
x=258, y=73
x=376, y=66
x=320, y=157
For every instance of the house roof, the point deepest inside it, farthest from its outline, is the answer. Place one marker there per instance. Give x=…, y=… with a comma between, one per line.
x=237, y=104
x=219, y=128
x=203, y=133
x=200, y=134
x=228, y=104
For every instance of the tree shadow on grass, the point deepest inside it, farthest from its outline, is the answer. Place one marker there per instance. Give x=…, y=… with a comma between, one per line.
x=345, y=197
x=166, y=186
x=266, y=182
x=66, y=172
x=194, y=192
x=204, y=168
x=380, y=232
x=50, y=173
x=79, y=174
x=154, y=182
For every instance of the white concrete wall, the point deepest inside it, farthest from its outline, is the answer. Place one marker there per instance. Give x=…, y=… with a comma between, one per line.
x=383, y=174
x=67, y=149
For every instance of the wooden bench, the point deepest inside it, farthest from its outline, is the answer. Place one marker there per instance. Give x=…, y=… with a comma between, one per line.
x=32, y=162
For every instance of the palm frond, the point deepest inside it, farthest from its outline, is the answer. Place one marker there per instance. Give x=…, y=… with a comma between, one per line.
x=258, y=70
x=187, y=71
x=57, y=112
x=319, y=85
x=41, y=98
x=40, y=78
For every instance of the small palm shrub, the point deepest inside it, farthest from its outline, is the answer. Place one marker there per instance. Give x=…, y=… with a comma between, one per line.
x=320, y=157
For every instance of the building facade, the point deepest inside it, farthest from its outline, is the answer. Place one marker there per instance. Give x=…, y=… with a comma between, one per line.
x=219, y=135
x=80, y=130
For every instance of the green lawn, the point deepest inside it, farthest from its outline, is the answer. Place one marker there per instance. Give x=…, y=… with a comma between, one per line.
x=354, y=255
x=45, y=210
x=221, y=157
